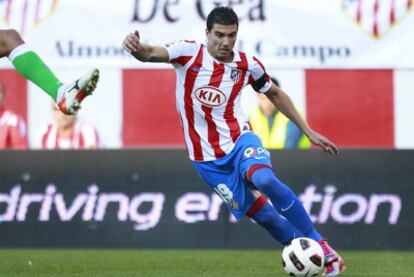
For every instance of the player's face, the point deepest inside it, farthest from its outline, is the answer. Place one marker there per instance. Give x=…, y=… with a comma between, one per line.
x=221, y=40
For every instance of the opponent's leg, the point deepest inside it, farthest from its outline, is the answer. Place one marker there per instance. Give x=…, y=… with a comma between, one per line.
x=278, y=227
x=9, y=39
x=28, y=63
x=32, y=67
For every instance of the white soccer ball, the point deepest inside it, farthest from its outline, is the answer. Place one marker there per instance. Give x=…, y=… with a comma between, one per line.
x=303, y=257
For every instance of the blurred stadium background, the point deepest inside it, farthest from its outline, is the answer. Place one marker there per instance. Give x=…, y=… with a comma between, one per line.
x=348, y=66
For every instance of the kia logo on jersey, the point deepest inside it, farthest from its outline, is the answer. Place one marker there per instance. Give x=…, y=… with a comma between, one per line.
x=210, y=96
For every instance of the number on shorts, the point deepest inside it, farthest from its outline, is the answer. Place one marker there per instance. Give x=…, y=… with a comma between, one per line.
x=224, y=192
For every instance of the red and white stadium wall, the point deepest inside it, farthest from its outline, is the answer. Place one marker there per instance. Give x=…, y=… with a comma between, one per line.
x=136, y=107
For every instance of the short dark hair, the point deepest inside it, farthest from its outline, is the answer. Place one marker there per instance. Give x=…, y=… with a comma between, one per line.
x=223, y=16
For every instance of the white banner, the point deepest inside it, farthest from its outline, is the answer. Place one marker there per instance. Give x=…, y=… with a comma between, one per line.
x=283, y=33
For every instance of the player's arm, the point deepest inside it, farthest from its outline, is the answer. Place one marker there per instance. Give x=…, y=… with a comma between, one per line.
x=284, y=104
x=144, y=52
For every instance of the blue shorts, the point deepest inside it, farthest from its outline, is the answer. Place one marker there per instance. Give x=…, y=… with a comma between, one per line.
x=227, y=176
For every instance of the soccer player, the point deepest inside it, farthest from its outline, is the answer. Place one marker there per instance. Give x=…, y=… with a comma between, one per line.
x=13, y=133
x=68, y=132
x=228, y=156
x=31, y=66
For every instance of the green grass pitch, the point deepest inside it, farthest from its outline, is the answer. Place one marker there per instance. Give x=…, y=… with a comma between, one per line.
x=183, y=263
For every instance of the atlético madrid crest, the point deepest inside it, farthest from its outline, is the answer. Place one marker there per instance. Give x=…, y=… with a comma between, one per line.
x=235, y=75
x=24, y=15
x=377, y=17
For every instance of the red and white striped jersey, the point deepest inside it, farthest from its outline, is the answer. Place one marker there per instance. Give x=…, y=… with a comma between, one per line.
x=83, y=136
x=13, y=132
x=208, y=97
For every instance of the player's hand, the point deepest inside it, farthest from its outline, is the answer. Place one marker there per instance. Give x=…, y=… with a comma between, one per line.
x=324, y=143
x=132, y=43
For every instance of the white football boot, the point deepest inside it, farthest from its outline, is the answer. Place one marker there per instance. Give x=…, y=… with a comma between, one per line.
x=77, y=91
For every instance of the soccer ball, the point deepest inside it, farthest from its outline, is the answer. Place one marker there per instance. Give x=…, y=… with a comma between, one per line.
x=303, y=257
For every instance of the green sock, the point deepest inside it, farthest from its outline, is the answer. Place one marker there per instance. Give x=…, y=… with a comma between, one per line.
x=31, y=66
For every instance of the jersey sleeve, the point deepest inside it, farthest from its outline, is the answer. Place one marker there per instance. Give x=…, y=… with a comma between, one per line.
x=180, y=53
x=259, y=79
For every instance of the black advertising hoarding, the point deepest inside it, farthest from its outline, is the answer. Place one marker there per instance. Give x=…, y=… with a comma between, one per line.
x=361, y=199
